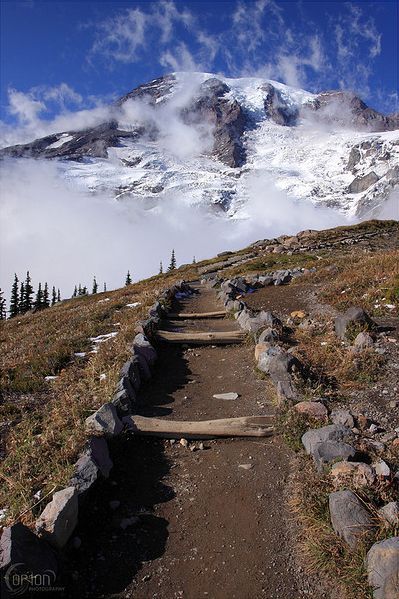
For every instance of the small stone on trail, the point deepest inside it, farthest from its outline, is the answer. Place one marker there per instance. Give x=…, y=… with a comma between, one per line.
x=246, y=466
x=128, y=522
x=183, y=442
x=228, y=396
x=382, y=469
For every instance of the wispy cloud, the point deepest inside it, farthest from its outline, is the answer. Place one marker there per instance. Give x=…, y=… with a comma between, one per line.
x=32, y=113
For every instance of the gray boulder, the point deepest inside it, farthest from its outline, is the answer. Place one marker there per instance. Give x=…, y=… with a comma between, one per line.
x=327, y=452
x=27, y=554
x=278, y=363
x=130, y=372
x=59, y=518
x=363, y=341
x=351, y=318
x=86, y=473
x=344, y=417
x=349, y=518
x=104, y=422
x=389, y=513
x=142, y=347
x=123, y=403
x=269, y=335
x=328, y=443
x=383, y=568
x=98, y=451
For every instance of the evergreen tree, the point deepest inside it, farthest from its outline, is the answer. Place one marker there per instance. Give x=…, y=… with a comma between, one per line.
x=3, y=313
x=14, y=300
x=95, y=286
x=194, y=260
x=105, y=286
x=75, y=292
x=21, y=305
x=80, y=291
x=58, y=295
x=172, y=264
x=53, y=296
x=128, y=279
x=160, y=268
x=39, y=304
x=28, y=295
x=46, y=299
x=84, y=290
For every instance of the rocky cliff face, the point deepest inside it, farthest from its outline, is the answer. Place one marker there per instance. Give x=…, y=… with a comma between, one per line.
x=329, y=148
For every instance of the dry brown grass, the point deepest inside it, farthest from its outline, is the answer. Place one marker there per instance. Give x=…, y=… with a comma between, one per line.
x=334, y=368
x=366, y=280
x=320, y=550
x=43, y=444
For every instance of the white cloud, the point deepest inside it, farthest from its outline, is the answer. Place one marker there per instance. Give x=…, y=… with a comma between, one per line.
x=24, y=106
x=180, y=59
x=29, y=107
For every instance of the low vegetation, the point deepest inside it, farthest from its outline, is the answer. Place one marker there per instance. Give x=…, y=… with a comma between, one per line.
x=45, y=417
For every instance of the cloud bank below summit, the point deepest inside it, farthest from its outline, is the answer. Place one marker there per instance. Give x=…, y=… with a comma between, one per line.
x=65, y=236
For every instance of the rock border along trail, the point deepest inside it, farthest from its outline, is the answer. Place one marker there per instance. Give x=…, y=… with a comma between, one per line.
x=209, y=517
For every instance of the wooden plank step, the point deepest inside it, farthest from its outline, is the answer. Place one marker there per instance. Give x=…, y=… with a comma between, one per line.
x=197, y=315
x=247, y=426
x=193, y=337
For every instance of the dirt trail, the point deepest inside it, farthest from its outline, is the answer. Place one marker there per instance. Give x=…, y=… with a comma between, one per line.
x=208, y=527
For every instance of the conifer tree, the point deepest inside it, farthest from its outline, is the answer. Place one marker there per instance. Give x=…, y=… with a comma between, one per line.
x=53, y=296
x=58, y=295
x=80, y=291
x=28, y=295
x=194, y=260
x=84, y=290
x=128, y=280
x=75, y=292
x=172, y=264
x=95, y=286
x=46, y=299
x=39, y=304
x=160, y=268
x=105, y=286
x=3, y=313
x=21, y=304
x=14, y=300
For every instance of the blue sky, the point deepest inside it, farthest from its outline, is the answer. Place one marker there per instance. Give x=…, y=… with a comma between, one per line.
x=63, y=57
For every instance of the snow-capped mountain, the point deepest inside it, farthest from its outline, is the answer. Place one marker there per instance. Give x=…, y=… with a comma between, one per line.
x=204, y=137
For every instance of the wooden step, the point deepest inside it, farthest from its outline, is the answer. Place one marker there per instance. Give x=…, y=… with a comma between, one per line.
x=197, y=315
x=247, y=426
x=193, y=337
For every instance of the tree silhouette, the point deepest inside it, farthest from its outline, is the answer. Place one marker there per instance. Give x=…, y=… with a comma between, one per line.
x=95, y=286
x=27, y=301
x=172, y=264
x=3, y=312
x=39, y=303
x=160, y=268
x=53, y=296
x=128, y=280
x=14, y=300
x=46, y=299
